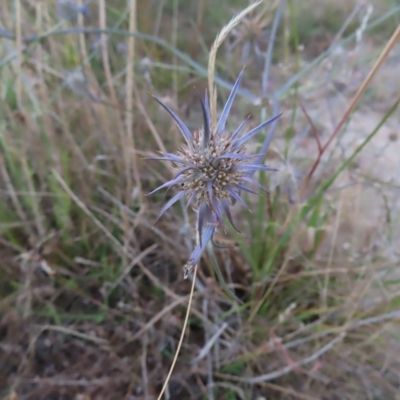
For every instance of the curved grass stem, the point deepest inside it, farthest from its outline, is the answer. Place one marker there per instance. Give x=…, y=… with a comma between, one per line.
x=175, y=359
x=384, y=55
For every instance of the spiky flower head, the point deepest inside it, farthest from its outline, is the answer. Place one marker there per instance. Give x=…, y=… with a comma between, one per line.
x=212, y=169
x=70, y=9
x=252, y=36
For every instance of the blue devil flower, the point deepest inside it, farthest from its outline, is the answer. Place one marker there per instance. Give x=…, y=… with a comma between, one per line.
x=211, y=170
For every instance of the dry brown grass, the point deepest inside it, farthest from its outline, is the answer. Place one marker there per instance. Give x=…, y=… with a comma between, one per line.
x=91, y=294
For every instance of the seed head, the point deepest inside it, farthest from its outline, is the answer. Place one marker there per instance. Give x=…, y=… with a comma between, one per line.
x=69, y=10
x=212, y=169
x=252, y=36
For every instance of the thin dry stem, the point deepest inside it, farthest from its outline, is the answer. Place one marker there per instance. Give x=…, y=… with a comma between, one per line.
x=174, y=41
x=313, y=128
x=213, y=54
x=128, y=269
x=18, y=36
x=210, y=343
x=68, y=331
x=39, y=217
x=332, y=250
x=157, y=23
x=157, y=317
x=63, y=119
x=182, y=335
x=123, y=252
x=82, y=46
x=289, y=368
x=99, y=108
x=271, y=286
x=83, y=207
x=129, y=106
x=148, y=120
x=199, y=24
x=145, y=375
x=287, y=391
x=384, y=55
x=107, y=68
x=14, y=198
x=120, y=127
x=43, y=95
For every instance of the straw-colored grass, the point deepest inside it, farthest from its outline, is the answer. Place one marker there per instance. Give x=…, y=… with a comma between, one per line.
x=303, y=304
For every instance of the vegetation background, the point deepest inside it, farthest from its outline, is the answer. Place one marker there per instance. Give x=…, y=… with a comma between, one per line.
x=304, y=304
